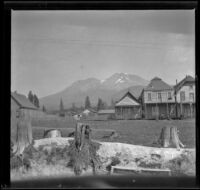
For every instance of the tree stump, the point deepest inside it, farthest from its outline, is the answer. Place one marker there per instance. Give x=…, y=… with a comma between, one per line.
x=52, y=133
x=82, y=150
x=24, y=132
x=169, y=137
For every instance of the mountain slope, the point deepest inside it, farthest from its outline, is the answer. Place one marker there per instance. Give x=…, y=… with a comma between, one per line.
x=110, y=88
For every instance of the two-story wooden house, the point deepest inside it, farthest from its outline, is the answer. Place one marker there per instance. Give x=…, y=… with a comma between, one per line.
x=157, y=99
x=184, y=92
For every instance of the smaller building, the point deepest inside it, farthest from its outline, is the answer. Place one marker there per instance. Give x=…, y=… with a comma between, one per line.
x=106, y=114
x=19, y=101
x=88, y=112
x=128, y=107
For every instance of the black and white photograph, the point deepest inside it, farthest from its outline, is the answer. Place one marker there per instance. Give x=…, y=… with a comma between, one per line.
x=102, y=93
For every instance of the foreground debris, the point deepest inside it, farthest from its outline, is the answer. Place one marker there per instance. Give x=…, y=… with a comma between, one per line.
x=51, y=158
x=82, y=150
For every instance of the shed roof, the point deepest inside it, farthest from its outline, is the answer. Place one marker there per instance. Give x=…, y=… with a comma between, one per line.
x=188, y=78
x=22, y=101
x=157, y=84
x=106, y=111
x=128, y=100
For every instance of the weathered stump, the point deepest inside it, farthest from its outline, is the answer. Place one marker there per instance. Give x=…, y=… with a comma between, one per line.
x=169, y=137
x=82, y=150
x=24, y=140
x=24, y=133
x=52, y=133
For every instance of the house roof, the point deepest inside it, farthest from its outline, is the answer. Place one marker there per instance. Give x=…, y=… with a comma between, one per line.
x=86, y=111
x=157, y=84
x=127, y=100
x=22, y=101
x=106, y=111
x=188, y=78
x=89, y=110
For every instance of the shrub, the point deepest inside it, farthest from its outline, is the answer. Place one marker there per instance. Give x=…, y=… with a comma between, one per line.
x=80, y=160
x=183, y=165
x=114, y=161
x=16, y=162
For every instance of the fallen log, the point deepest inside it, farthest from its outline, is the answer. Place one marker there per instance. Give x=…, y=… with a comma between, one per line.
x=128, y=154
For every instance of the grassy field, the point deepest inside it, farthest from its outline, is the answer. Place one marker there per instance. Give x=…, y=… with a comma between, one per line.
x=138, y=132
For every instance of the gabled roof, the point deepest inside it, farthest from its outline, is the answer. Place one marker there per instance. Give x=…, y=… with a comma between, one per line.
x=157, y=84
x=106, y=111
x=128, y=100
x=22, y=101
x=188, y=78
x=89, y=110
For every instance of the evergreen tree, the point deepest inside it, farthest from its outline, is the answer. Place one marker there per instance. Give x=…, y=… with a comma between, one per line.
x=73, y=107
x=87, y=102
x=104, y=105
x=30, y=96
x=44, y=109
x=61, y=106
x=112, y=103
x=36, y=101
x=100, y=104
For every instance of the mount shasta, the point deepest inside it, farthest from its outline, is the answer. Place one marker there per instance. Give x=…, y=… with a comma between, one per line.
x=111, y=88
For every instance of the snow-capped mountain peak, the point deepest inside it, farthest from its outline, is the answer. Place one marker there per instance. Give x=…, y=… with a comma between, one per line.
x=119, y=81
x=122, y=80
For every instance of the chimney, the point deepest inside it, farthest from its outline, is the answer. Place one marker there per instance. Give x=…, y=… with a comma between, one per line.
x=176, y=81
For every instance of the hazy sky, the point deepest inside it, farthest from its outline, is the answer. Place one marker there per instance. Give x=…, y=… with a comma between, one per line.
x=52, y=49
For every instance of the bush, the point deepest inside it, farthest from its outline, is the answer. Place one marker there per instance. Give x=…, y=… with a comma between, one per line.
x=81, y=160
x=114, y=161
x=16, y=162
x=183, y=165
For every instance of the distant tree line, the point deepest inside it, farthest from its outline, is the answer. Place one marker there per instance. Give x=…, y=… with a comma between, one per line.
x=87, y=105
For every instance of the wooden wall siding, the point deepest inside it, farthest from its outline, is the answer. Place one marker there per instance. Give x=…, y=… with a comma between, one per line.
x=155, y=99
x=13, y=120
x=187, y=89
x=187, y=110
x=14, y=107
x=128, y=112
x=30, y=112
x=163, y=109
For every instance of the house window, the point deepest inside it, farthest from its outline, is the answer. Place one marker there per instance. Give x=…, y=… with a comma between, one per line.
x=192, y=97
x=159, y=96
x=149, y=96
x=169, y=95
x=191, y=87
x=182, y=96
